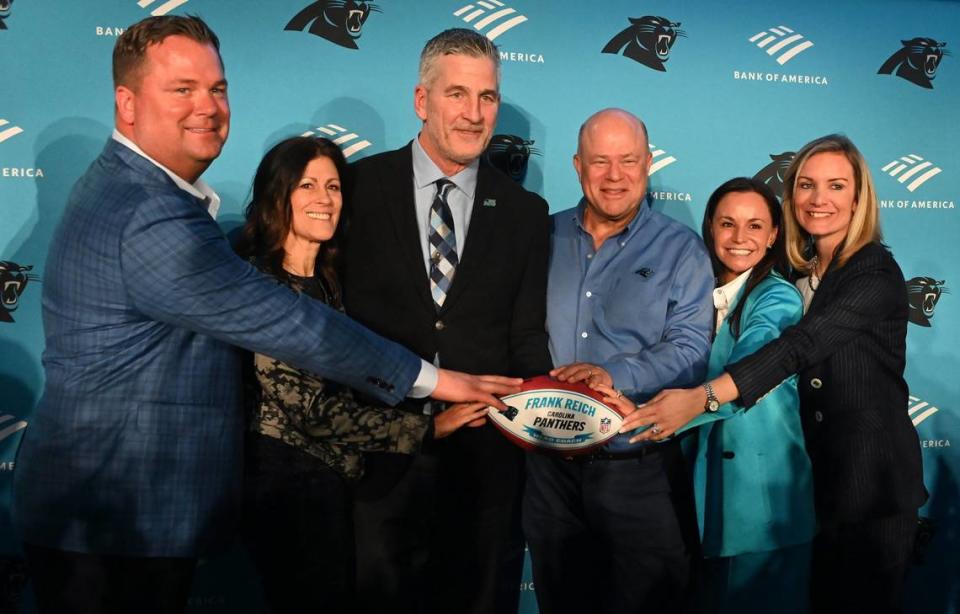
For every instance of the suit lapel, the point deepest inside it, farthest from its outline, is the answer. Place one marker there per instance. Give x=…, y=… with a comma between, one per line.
x=480, y=239
x=146, y=169
x=398, y=185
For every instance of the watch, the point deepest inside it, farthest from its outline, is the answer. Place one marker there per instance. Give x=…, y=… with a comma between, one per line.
x=712, y=405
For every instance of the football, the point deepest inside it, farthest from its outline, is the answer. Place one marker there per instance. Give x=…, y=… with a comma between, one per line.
x=554, y=415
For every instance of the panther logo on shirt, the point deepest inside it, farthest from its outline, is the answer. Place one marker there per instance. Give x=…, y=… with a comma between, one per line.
x=772, y=174
x=13, y=281
x=647, y=40
x=338, y=21
x=916, y=61
x=923, y=294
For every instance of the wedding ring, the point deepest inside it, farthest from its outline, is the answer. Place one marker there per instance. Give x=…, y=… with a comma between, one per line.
x=619, y=394
x=656, y=430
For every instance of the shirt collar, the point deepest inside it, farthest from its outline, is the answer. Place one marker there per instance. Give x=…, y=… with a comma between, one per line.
x=628, y=231
x=426, y=172
x=198, y=189
x=724, y=296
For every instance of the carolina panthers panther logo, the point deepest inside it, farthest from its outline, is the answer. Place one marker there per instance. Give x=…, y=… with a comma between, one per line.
x=510, y=413
x=13, y=281
x=923, y=293
x=648, y=40
x=338, y=21
x=4, y=12
x=917, y=61
x=510, y=154
x=772, y=174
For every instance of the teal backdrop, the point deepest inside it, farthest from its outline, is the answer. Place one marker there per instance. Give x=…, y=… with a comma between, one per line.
x=725, y=88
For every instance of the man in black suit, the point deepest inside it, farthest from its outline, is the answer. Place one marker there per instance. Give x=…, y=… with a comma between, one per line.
x=447, y=256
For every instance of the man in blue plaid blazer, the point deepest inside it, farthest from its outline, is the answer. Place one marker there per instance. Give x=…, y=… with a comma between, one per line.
x=131, y=466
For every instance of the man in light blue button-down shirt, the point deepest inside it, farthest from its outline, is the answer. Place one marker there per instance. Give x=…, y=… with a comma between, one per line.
x=628, y=305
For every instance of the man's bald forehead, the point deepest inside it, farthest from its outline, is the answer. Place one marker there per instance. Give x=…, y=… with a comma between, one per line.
x=591, y=121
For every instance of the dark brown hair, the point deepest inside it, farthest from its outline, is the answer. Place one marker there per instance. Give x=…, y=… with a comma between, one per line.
x=269, y=215
x=130, y=51
x=775, y=259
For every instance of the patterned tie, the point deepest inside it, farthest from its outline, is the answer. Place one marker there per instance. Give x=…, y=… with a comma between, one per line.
x=443, y=244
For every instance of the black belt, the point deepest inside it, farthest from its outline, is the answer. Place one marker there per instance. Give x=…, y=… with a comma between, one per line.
x=607, y=455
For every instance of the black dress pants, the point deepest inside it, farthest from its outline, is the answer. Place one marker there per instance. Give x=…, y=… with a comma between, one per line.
x=860, y=567
x=610, y=536
x=79, y=583
x=439, y=532
x=298, y=529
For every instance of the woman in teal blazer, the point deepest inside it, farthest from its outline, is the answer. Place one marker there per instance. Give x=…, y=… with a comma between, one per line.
x=752, y=475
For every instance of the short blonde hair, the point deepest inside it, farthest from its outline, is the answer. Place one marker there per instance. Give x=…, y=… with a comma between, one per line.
x=865, y=223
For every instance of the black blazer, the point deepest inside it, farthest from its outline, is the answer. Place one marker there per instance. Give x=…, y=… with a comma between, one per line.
x=492, y=321
x=849, y=351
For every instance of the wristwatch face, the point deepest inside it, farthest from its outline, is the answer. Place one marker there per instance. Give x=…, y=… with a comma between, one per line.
x=713, y=405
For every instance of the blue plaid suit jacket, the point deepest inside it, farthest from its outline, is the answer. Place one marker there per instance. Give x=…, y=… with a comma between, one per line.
x=135, y=447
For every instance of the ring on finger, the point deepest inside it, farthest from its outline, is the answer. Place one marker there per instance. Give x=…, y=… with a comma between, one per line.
x=655, y=429
x=620, y=394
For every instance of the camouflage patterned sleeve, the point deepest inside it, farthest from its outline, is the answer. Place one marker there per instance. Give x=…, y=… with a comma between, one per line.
x=340, y=417
x=328, y=412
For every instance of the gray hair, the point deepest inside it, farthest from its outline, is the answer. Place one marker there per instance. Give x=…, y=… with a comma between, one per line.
x=456, y=41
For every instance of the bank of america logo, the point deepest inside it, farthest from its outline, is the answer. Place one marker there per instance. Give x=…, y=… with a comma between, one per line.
x=490, y=13
x=919, y=410
x=8, y=133
x=348, y=141
x=781, y=39
x=906, y=168
x=160, y=7
x=660, y=159
x=10, y=425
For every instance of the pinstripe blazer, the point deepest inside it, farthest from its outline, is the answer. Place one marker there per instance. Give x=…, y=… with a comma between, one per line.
x=849, y=354
x=135, y=447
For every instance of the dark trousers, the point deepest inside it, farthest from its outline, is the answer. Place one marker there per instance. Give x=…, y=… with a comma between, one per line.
x=860, y=567
x=80, y=583
x=440, y=532
x=298, y=528
x=756, y=582
x=612, y=536
x=394, y=514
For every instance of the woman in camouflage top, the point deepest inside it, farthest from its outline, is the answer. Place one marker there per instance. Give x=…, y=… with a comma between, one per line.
x=307, y=435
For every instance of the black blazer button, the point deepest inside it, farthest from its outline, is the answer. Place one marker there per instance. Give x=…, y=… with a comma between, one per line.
x=439, y=325
x=727, y=454
x=816, y=383
x=818, y=416
x=376, y=381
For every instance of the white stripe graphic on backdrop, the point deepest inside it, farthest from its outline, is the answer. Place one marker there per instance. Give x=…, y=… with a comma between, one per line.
x=163, y=8
x=659, y=159
x=10, y=132
x=920, y=410
x=501, y=13
x=787, y=38
x=916, y=165
x=340, y=136
x=10, y=429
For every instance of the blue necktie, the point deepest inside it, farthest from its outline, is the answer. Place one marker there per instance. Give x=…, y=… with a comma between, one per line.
x=443, y=244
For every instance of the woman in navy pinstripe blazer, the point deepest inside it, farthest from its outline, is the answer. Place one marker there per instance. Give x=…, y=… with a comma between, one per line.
x=849, y=353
